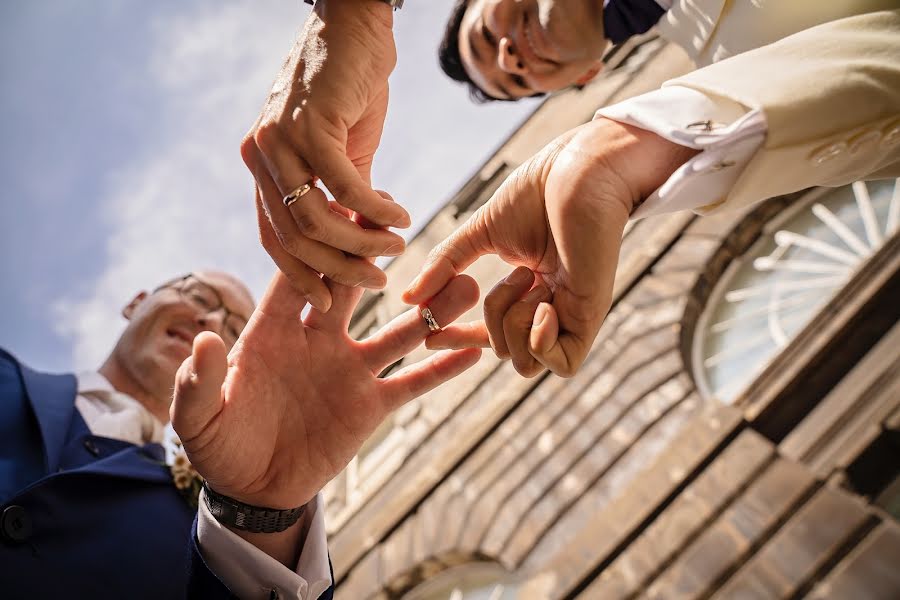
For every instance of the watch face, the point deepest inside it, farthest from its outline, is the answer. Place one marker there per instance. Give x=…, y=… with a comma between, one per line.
x=804, y=256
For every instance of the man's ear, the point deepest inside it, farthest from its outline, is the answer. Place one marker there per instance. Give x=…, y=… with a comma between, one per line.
x=129, y=309
x=590, y=74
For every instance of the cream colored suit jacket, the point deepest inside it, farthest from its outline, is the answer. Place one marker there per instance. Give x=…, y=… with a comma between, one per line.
x=825, y=73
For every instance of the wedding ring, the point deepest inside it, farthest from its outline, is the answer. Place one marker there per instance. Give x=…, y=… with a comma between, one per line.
x=429, y=319
x=298, y=193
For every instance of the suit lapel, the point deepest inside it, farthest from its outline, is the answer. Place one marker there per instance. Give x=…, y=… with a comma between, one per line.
x=52, y=399
x=121, y=459
x=690, y=23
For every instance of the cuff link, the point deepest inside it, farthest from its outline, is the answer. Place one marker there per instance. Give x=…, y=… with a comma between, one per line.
x=722, y=164
x=706, y=125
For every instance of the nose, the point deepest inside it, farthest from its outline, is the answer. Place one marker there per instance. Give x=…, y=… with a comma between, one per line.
x=508, y=59
x=212, y=321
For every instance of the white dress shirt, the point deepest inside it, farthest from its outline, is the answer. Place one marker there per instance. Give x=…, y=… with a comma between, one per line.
x=247, y=571
x=727, y=133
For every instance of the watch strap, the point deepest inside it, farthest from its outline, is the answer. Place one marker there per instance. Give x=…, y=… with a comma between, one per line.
x=246, y=517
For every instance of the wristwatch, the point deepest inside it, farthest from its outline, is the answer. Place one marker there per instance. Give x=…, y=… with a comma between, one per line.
x=246, y=517
x=395, y=4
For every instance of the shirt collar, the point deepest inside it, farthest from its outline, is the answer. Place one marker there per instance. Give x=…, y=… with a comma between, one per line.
x=92, y=381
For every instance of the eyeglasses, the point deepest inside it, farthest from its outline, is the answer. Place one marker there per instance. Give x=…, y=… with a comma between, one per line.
x=206, y=299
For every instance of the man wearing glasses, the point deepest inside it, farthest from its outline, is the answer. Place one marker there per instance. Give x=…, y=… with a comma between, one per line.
x=269, y=407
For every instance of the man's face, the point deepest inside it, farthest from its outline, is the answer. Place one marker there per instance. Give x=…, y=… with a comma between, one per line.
x=162, y=325
x=516, y=48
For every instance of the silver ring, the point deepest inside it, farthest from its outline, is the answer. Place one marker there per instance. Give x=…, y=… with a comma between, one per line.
x=297, y=194
x=429, y=319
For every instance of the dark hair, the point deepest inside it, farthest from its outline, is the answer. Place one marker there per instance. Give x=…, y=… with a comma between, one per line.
x=451, y=62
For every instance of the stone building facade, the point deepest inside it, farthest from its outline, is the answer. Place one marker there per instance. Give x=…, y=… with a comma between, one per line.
x=733, y=433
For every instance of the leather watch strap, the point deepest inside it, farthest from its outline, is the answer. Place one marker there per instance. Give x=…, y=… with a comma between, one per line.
x=246, y=517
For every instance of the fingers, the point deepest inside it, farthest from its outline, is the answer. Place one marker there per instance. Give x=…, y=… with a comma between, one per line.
x=451, y=258
x=464, y=335
x=332, y=263
x=564, y=356
x=544, y=330
x=337, y=319
x=313, y=218
x=405, y=333
x=198, y=386
x=415, y=380
x=281, y=300
x=344, y=298
x=507, y=292
x=517, y=323
x=563, y=331
x=306, y=281
x=339, y=175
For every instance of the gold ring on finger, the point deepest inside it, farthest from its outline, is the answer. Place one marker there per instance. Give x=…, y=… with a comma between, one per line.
x=298, y=193
x=432, y=323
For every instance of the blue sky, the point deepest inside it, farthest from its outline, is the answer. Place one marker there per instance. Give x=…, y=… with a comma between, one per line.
x=121, y=122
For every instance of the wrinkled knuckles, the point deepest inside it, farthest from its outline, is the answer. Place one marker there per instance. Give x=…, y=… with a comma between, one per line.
x=501, y=354
x=565, y=371
x=268, y=137
x=249, y=151
x=530, y=371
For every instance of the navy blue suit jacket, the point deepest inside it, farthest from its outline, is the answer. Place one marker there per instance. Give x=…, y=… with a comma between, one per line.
x=83, y=516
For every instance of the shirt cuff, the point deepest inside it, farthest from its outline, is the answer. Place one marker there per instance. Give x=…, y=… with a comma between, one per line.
x=727, y=133
x=251, y=573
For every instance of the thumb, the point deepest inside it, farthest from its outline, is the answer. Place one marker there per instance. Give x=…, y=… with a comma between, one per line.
x=198, y=386
x=451, y=257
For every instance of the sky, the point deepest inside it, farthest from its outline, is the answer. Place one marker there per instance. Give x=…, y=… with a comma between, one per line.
x=121, y=122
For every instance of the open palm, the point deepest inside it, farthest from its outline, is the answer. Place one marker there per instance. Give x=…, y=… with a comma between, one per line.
x=295, y=399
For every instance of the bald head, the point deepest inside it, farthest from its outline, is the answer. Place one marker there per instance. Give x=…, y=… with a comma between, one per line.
x=161, y=328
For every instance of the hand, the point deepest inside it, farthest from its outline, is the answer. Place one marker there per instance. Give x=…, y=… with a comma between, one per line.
x=560, y=217
x=286, y=410
x=324, y=117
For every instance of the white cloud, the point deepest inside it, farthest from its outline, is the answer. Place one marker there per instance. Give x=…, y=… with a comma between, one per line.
x=184, y=201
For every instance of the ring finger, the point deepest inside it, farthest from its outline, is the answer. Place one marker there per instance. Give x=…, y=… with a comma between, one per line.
x=314, y=219
x=405, y=333
x=334, y=264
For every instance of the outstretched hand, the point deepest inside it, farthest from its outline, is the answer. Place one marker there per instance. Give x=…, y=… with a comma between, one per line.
x=559, y=217
x=273, y=421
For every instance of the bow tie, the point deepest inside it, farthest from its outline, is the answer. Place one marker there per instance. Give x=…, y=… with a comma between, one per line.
x=625, y=18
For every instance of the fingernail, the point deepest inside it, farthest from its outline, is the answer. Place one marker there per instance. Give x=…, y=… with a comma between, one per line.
x=519, y=277
x=540, y=315
x=403, y=222
x=372, y=283
x=412, y=286
x=395, y=250
x=535, y=295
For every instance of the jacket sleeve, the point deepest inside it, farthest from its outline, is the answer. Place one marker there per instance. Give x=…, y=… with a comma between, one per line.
x=831, y=99
x=204, y=583
x=201, y=581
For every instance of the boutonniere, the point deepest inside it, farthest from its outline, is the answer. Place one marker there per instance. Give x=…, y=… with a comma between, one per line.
x=186, y=479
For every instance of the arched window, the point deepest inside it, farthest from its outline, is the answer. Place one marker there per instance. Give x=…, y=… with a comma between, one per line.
x=768, y=294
